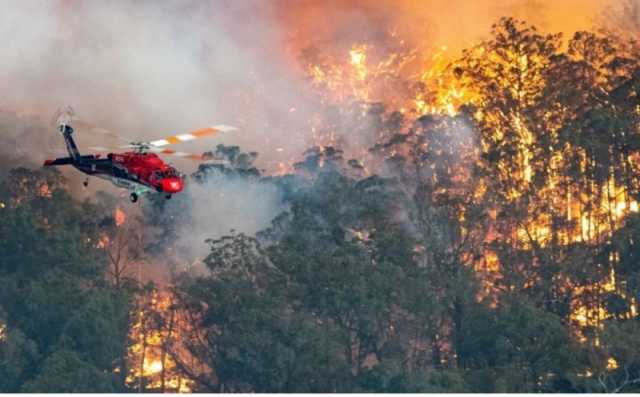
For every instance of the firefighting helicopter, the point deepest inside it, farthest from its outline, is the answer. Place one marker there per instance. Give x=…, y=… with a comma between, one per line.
x=139, y=170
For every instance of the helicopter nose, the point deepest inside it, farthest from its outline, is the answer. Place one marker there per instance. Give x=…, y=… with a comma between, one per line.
x=172, y=185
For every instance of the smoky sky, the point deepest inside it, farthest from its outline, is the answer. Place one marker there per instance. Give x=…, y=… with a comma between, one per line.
x=147, y=69
x=152, y=68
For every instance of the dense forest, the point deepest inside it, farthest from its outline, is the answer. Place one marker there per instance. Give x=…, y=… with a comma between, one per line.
x=493, y=248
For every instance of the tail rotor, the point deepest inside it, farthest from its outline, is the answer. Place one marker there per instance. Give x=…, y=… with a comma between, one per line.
x=63, y=119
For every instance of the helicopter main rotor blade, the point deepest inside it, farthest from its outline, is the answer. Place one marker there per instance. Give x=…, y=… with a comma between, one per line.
x=173, y=139
x=155, y=145
x=191, y=156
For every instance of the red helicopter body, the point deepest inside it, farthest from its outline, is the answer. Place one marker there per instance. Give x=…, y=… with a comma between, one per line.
x=140, y=170
x=149, y=169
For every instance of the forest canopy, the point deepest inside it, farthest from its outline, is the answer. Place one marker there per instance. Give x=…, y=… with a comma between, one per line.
x=486, y=245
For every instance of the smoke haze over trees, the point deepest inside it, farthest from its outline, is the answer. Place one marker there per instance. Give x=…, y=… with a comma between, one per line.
x=486, y=246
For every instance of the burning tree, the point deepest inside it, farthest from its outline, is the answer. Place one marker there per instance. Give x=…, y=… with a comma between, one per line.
x=464, y=224
x=514, y=186
x=151, y=355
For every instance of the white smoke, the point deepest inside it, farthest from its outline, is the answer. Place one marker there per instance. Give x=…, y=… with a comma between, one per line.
x=222, y=204
x=148, y=69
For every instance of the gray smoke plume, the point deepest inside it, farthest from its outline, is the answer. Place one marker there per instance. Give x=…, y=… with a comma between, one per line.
x=148, y=69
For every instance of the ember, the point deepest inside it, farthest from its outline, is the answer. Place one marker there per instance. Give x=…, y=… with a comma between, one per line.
x=120, y=216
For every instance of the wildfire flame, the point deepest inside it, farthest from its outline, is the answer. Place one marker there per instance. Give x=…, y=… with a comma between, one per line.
x=152, y=367
x=120, y=216
x=44, y=190
x=425, y=81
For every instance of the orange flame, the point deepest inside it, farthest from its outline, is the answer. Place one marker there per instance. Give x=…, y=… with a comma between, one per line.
x=419, y=81
x=120, y=216
x=152, y=368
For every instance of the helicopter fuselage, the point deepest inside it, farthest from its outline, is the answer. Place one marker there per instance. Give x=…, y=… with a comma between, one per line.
x=137, y=170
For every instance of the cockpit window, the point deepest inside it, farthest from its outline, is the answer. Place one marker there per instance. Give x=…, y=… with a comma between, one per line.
x=171, y=173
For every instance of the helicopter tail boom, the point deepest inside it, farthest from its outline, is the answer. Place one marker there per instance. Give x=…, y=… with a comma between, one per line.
x=66, y=132
x=71, y=160
x=58, y=161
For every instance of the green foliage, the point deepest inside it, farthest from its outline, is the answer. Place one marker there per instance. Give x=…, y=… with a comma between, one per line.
x=65, y=372
x=517, y=348
x=374, y=283
x=59, y=314
x=18, y=360
x=619, y=342
x=335, y=289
